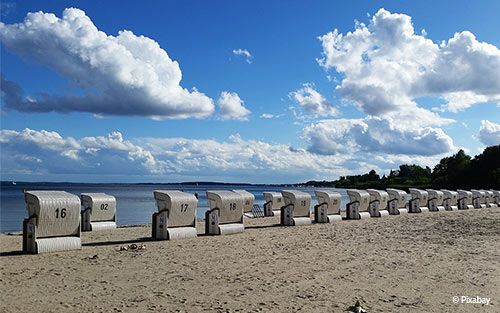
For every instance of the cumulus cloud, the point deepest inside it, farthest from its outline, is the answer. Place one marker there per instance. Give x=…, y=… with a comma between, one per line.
x=313, y=102
x=489, y=133
x=375, y=135
x=386, y=66
x=231, y=107
x=244, y=53
x=56, y=154
x=117, y=75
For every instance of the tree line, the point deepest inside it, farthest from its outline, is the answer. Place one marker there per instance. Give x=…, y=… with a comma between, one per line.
x=459, y=171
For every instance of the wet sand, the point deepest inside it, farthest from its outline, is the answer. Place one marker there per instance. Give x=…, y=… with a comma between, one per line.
x=412, y=263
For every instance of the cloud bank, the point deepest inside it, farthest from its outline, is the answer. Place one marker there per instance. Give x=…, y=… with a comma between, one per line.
x=118, y=75
x=231, y=107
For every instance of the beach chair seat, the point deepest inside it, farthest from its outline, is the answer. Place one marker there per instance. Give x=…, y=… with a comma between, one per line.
x=297, y=208
x=357, y=208
x=273, y=201
x=435, y=202
x=397, y=201
x=450, y=200
x=464, y=200
x=378, y=203
x=328, y=208
x=53, y=222
x=478, y=199
x=225, y=214
x=99, y=211
x=176, y=216
x=418, y=201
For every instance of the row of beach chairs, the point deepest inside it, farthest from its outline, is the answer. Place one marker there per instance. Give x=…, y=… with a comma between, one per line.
x=56, y=218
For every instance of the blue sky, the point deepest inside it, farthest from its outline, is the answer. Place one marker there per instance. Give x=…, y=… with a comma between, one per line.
x=388, y=94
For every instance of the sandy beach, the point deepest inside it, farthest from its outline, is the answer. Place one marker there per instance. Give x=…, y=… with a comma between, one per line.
x=414, y=263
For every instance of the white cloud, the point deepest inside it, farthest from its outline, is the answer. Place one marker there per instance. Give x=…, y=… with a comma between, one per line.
x=386, y=66
x=244, y=53
x=54, y=153
x=313, y=102
x=231, y=107
x=267, y=116
x=118, y=75
x=489, y=133
x=375, y=135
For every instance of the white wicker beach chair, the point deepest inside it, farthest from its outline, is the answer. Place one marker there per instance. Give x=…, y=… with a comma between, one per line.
x=273, y=201
x=248, y=201
x=397, y=201
x=436, y=198
x=464, y=200
x=378, y=203
x=328, y=208
x=225, y=215
x=496, y=197
x=418, y=201
x=450, y=200
x=53, y=222
x=490, y=199
x=358, y=206
x=297, y=208
x=176, y=216
x=478, y=199
x=99, y=211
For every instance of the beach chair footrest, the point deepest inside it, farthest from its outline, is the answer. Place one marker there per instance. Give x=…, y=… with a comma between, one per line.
x=229, y=229
x=44, y=245
x=102, y=225
x=181, y=233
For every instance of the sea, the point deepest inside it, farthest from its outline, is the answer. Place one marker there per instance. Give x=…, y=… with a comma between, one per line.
x=135, y=202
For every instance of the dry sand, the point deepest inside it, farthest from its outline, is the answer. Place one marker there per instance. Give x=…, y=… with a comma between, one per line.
x=414, y=263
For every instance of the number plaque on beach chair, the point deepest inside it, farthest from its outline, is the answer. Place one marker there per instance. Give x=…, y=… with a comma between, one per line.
x=248, y=200
x=464, y=200
x=418, y=201
x=273, y=201
x=99, y=211
x=297, y=208
x=176, y=216
x=478, y=199
x=378, y=203
x=225, y=215
x=53, y=223
x=450, y=200
x=436, y=198
x=328, y=208
x=357, y=208
x=397, y=201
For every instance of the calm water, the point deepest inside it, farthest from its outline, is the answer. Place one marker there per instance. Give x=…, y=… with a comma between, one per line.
x=135, y=203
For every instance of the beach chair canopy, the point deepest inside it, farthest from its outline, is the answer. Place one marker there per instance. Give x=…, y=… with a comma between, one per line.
x=331, y=198
x=102, y=206
x=248, y=199
x=362, y=196
x=300, y=200
x=229, y=203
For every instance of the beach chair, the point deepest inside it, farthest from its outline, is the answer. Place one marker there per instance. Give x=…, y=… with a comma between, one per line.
x=490, y=199
x=273, y=201
x=436, y=198
x=464, y=200
x=53, y=222
x=297, y=208
x=357, y=208
x=378, y=203
x=450, y=200
x=496, y=197
x=418, y=201
x=328, y=208
x=397, y=201
x=478, y=199
x=248, y=202
x=176, y=216
x=99, y=211
x=225, y=215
